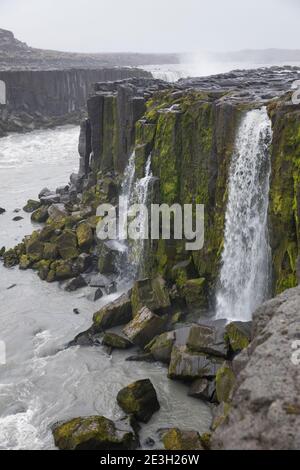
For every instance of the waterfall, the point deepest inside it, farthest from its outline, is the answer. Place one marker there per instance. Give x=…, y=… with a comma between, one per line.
x=131, y=261
x=245, y=272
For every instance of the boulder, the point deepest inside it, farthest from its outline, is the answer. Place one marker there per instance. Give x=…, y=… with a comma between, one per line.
x=76, y=283
x=238, y=335
x=225, y=380
x=204, y=389
x=108, y=254
x=195, y=293
x=85, y=235
x=94, y=433
x=40, y=215
x=177, y=439
x=115, y=341
x=67, y=245
x=144, y=327
x=57, y=212
x=60, y=270
x=139, y=399
x=2, y=210
x=95, y=294
x=161, y=347
x=34, y=248
x=31, y=206
x=151, y=293
x=115, y=313
x=50, y=251
x=208, y=338
x=188, y=365
x=25, y=262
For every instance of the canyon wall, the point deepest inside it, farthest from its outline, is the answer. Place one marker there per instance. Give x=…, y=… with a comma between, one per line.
x=48, y=97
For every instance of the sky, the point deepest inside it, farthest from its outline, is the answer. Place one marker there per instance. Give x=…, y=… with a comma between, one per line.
x=153, y=25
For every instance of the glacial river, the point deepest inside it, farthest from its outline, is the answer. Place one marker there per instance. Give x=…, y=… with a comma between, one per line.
x=42, y=382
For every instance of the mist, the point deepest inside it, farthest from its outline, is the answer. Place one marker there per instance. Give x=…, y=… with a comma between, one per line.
x=160, y=26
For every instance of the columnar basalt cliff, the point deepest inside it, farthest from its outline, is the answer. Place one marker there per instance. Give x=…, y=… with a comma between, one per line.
x=43, y=98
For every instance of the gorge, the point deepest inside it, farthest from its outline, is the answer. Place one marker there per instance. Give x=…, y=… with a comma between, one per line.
x=230, y=142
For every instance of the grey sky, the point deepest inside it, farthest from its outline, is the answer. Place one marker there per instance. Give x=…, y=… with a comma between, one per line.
x=154, y=25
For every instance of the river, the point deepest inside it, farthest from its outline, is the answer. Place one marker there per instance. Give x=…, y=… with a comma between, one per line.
x=42, y=382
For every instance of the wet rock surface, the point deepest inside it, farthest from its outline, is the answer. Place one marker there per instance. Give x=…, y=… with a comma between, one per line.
x=139, y=399
x=94, y=433
x=264, y=412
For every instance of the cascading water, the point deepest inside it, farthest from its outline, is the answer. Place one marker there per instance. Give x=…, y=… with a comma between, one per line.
x=245, y=272
x=141, y=195
x=131, y=262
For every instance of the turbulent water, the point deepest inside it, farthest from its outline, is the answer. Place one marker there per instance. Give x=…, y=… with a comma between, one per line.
x=245, y=272
x=42, y=382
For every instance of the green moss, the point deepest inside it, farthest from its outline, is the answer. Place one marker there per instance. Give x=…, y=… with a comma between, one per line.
x=94, y=432
x=284, y=207
x=225, y=380
x=175, y=439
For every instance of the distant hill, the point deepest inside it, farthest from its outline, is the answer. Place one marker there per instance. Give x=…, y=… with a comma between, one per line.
x=15, y=54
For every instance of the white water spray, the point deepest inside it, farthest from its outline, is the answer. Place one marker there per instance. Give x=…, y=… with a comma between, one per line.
x=245, y=272
x=131, y=262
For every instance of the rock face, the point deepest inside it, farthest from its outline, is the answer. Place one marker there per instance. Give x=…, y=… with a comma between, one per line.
x=94, y=433
x=265, y=407
x=139, y=399
x=43, y=98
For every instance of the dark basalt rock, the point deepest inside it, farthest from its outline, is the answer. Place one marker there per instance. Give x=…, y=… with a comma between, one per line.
x=116, y=313
x=208, y=338
x=75, y=284
x=2, y=210
x=187, y=365
x=115, y=341
x=139, y=399
x=31, y=205
x=144, y=327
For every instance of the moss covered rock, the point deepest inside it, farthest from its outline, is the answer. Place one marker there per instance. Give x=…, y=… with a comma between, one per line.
x=94, y=433
x=195, y=293
x=238, y=335
x=144, y=327
x=161, y=347
x=187, y=365
x=67, y=245
x=151, y=293
x=115, y=313
x=203, y=389
x=31, y=205
x=34, y=248
x=40, y=215
x=208, y=338
x=225, y=380
x=50, y=251
x=139, y=399
x=115, y=341
x=176, y=439
x=85, y=235
x=25, y=262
